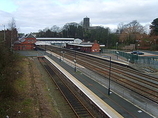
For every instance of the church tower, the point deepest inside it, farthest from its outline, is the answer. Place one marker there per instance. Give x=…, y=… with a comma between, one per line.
x=86, y=23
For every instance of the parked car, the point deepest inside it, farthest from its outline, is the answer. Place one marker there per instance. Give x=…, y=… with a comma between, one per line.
x=137, y=52
x=134, y=52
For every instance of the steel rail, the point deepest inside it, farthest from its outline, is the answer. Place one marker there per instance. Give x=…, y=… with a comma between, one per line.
x=100, y=66
x=76, y=105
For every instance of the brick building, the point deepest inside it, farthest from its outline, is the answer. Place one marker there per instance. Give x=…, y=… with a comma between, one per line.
x=27, y=42
x=86, y=46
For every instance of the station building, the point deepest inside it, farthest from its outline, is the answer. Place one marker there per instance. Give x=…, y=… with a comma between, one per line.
x=27, y=42
x=85, y=46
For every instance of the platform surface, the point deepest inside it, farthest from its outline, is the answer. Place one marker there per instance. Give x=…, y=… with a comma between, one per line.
x=123, y=107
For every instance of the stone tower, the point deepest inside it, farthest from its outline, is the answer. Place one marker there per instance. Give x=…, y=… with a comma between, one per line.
x=86, y=23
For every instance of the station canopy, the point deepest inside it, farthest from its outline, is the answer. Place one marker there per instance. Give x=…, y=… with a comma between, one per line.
x=50, y=41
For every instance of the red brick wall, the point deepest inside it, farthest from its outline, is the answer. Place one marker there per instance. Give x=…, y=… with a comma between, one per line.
x=28, y=44
x=24, y=47
x=29, y=41
x=95, y=47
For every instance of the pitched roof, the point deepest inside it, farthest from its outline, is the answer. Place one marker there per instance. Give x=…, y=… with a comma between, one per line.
x=23, y=38
x=29, y=36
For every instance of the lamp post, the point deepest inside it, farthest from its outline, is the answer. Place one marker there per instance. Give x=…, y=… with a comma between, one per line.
x=44, y=48
x=75, y=61
x=107, y=38
x=116, y=49
x=60, y=53
x=63, y=54
x=109, y=76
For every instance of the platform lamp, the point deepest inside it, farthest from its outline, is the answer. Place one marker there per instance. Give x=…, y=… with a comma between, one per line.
x=75, y=69
x=60, y=52
x=44, y=48
x=109, y=76
x=117, y=49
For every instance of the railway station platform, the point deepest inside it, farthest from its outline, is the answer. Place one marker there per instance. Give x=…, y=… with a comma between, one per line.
x=123, y=107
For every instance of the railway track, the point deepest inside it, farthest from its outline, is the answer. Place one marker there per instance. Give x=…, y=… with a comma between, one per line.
x=143, y=89
x=78, y=107
x=140, y=83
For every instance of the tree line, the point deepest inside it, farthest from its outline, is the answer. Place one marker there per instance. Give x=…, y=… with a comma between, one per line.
x=130, y=33
x=8, y=62
x=10, y=35
x=75, y=30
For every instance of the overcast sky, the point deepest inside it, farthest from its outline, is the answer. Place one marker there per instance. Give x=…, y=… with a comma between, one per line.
x=32, y=15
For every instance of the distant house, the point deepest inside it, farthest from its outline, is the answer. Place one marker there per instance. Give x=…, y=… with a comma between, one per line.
x=27, y=42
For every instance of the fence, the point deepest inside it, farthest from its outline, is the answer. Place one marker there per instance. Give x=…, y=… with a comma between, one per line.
x=137, y=60
x=148, y=61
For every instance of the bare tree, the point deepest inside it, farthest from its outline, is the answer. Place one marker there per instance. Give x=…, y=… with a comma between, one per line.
x=134, y=27
x=12, y=24
x=131, y=32
x=120, y=28
x=12, y=32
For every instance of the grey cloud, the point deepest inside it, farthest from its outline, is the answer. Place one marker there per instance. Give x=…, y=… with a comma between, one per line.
x=32, y=15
